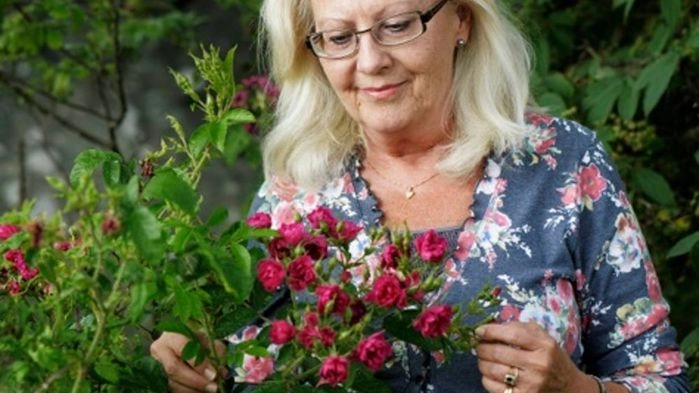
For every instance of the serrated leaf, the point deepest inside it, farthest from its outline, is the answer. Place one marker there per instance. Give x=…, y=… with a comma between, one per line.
x=684, y=245
x=690, y=344
x=237, y=142
x=146, y=374
x=219, y=131
x=628, y=101
x=169, y=186
x=600, y=97
x=141, y=293
x=199, y=139
x=107, y=370
x=655, y=187
x=191, y=350
x=111, y=171
x=176, y=327
x=553, y=102
x=238, y=116
x=233, y=271
x=671, y=11
x=657, y=77
x=88, y=161
x=558, y=83
x=145, y=231
x=217, y=217
x=183, y=303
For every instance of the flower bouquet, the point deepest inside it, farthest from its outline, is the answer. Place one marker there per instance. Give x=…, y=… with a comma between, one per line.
x=344, y=313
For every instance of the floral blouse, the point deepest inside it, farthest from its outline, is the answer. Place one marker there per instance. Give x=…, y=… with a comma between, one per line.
x=552, y=227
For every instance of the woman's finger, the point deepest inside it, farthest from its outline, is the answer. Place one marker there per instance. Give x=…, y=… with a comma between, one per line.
x=523, y=335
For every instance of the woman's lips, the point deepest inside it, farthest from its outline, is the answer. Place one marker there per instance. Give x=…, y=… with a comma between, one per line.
x=382, y=92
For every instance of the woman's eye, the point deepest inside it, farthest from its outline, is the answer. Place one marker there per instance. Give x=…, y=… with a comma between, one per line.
x=397, y=25
x=339, y=38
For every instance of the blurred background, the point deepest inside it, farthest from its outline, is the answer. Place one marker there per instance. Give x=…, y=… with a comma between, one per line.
x=95, y=74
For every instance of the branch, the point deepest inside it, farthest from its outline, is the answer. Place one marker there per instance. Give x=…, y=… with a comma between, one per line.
x=61, y=120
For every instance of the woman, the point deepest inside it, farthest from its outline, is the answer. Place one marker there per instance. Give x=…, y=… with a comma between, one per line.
x=414, y=112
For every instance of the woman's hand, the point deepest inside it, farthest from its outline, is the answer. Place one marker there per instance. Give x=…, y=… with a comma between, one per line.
x=533, y=360
x=183, y=375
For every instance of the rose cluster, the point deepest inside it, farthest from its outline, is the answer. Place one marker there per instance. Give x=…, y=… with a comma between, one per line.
x=340, y=304
x=15, y=271
x=257, y=94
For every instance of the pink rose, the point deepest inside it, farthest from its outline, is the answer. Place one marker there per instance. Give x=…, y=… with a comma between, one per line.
x=430, y=246
x=316, y=247
x=111, y=225
x=434, y=321
x=331, y=299
x=358, y=309
x=281, y=332
x=327, y=335
x=260, y=220
x=334, y=370
x=301, y=273
x=373, y=351
x=307, y=335
x=347, y=231
x=390, y=256
x=8, y=230
x=256, y=368
x=387, y=291
x=322, y=218
x=271, y=274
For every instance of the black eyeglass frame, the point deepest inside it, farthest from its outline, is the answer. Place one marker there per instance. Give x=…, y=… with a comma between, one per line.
x=424, y=18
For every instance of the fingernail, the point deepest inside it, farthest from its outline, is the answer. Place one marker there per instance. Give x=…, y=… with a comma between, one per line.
x=211, y=388
x=210, y=374
x=480, y=331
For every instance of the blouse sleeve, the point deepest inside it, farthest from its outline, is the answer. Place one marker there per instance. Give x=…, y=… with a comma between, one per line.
x=627, y=334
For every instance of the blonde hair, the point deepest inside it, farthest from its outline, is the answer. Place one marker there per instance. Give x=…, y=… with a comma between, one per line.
x=313, y=136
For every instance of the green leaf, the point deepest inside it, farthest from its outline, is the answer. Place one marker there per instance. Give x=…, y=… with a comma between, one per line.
x=169, y=186
x=690, y=344
x=183, y=302
x=655, y=78
x=655, y=187
x=87, y=161
x=365, y=381
x=400, y=326
x=684, y=245
x=175, y=327
x=237, y=142
x=141, y=293
x=107, y=370
x=600, y=97
x=218, y=131
x=233, y=271
x=238, y=116
x=234, y=321
x=217, y=217
x=671, y=11
x=627, y=7
x=146, y=374
x=145, y=231
x=696, y=156
x=553, y=102
x=628, y=101
x=111, y=171
x=199, y=139
x=558, y=83
x=191, y=350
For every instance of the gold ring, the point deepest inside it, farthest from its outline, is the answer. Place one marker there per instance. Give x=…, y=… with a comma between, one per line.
x=509, y=390
x=511, y=378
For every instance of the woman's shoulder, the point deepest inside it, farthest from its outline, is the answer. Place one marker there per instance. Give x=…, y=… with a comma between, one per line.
x=550, y=141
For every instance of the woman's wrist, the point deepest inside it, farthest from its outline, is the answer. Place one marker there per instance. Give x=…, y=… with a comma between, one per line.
x=600, y=385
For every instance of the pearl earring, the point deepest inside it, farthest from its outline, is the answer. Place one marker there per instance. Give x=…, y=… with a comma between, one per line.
x=460, y=43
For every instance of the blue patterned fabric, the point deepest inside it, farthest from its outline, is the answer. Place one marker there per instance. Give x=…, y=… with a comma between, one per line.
x=551, y=226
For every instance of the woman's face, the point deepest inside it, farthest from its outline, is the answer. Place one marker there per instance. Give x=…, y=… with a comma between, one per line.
x=389, y=89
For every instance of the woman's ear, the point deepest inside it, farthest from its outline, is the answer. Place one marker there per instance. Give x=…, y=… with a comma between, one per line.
x=464, y=13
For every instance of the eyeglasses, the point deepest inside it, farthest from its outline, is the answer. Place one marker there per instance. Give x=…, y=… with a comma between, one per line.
x=392, y=31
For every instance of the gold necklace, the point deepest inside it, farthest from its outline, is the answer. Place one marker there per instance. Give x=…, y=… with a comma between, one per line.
x=408, y=192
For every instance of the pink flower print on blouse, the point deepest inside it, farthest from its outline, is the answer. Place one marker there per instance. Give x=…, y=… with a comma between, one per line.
x=591, y=184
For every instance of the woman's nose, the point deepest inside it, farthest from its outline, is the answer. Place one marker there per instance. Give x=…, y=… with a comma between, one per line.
x=371, y=56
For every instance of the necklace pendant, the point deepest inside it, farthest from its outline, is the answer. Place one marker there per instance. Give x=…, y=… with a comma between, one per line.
x=409, y=193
